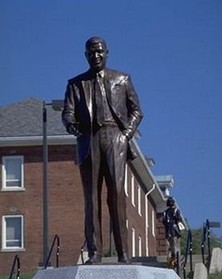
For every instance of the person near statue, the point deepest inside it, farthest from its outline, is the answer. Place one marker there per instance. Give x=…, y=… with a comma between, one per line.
x=172, y=221
x=101, y=108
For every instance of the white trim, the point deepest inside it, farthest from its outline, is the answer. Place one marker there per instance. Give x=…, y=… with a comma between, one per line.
x=9, y=250
x=133, y=189
x=133, y=242
x=37, y=140
x=140, y=246
x=139, y=200
x=15, y=248
x=126, y=181
x=147, y=218
x=141, y=167
x=13, y=188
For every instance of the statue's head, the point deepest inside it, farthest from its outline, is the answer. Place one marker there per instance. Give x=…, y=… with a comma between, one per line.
x=96, y=53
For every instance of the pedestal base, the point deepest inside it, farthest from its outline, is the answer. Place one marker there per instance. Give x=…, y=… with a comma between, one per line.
x=106, y=272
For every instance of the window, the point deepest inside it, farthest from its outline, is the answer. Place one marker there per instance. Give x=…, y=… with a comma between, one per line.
x=12, y=173
x=140, y=246
x=132, y=189
x=126, y=181
x=133, y=242
x=12, y=232
x=139, y=201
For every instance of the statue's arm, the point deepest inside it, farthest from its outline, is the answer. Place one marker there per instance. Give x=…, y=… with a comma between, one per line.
x=68, y=114
x=135, y=114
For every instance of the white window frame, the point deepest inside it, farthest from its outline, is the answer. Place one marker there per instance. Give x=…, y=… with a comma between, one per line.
x=126, y=181
x=133, y=242
x=4, y=240
x=140, y=246
x=4, y=182
x=139, y=200
x=133, y=189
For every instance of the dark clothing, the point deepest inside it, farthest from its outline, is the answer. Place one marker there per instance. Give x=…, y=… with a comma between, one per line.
x=103, y=147
x=102, y=112
x=108, y=161
x=171, y=219
x=122, y=100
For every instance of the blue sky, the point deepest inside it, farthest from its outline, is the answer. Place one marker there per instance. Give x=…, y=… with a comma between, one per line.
x=173, y=51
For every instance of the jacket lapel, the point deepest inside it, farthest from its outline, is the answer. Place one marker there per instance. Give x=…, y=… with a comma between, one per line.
x=107, y=85
x=87, y=89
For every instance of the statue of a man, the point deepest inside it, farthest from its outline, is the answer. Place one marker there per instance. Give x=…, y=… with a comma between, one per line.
x=102, y=110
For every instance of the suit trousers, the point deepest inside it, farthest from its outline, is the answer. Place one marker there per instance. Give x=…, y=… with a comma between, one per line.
x=107, y=160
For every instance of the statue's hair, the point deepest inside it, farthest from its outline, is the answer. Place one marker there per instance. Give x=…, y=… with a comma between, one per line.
x=95, y=40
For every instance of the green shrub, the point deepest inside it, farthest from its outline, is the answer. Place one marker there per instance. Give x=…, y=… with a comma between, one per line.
x=215, y=276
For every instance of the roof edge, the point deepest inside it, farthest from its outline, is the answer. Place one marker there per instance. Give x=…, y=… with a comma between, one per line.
x=140, y=163
x=37, y=140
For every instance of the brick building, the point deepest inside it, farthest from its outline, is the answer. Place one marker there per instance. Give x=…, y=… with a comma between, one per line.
x=22, y=195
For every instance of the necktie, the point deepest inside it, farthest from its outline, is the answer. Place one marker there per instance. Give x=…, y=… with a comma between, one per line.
x=98, y=91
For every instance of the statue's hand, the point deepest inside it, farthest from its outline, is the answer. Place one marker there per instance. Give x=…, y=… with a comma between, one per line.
x=127, y=134
x=73, y=129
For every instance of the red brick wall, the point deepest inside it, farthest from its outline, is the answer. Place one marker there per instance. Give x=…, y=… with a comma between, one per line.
x=65, y=205
x=66, y=209
x=152, y=228
x=162, y=246
x=138, y=221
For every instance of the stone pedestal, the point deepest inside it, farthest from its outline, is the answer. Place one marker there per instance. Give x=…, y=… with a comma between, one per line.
x=106, y=272
x=216, y=260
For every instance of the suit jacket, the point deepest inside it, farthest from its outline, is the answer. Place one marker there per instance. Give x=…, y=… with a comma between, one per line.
x=122, y=100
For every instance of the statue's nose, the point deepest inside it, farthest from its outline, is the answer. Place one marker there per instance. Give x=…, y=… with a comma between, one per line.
x=96, y=54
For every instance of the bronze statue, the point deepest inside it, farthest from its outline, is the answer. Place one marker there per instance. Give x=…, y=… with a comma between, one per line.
x=102, y=110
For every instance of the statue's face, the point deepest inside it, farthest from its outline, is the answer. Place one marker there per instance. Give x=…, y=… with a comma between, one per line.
x=96, y=55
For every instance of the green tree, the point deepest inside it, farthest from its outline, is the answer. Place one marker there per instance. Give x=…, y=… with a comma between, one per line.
x=197, y=235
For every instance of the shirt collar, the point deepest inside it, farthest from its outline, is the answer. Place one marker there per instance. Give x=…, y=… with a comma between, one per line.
x=101, y=73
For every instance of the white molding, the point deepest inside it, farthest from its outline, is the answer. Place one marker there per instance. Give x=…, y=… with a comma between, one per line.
x=11, y=249
x=4, y=160
x=37, y=140
x=126, y=181
x=139, y=200
x=133, y=189
x=133, y=242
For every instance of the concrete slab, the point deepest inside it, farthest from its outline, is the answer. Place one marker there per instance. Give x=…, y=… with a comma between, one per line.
x=106, y=272
x=200, y=271
x=216, y=260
